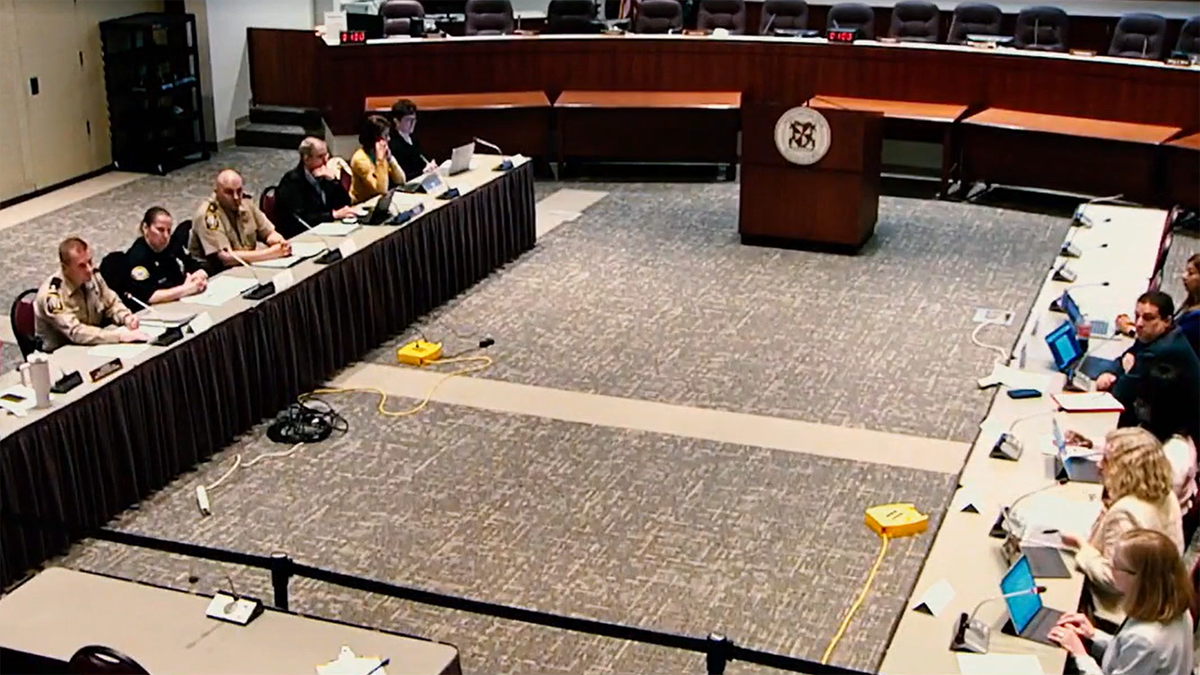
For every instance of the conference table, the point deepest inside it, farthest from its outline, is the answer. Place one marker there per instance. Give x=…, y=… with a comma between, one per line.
x=105, y=446
x=1122, y=249
x=47, y=618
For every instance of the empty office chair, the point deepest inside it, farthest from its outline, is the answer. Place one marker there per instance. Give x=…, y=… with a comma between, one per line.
x=489, y=17
x=571, y=16
x=97, y=660
x=727, y=14
x=1139, y=36
x=974, y=18
x=1189, y=37
x=24, y=325
x=658, y=16
x=398, y=16
x=915, y=21
x=1041, y=28
x=784, y=15
x=853, y=15
x=114, y=267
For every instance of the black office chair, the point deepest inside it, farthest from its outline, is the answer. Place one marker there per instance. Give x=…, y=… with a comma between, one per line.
x=915, y=21
x=853, y=15
x=784, y=15
x=658, y=16
x=974, y=18
x=1139, y=35
x=98, y=660
x=182, y=234
x=24, y=322
x=571, y=17
x=114, y=267
x=727, y=14
x=489, y=17
x=399, y=16
x=1189, y=37
x=1041, y=28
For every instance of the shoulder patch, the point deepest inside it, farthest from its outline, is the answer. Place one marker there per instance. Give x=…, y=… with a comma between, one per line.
x=139, y=273
x=54, y=303
x=210, y=222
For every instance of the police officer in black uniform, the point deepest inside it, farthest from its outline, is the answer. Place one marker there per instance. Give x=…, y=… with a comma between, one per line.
x=160, y=269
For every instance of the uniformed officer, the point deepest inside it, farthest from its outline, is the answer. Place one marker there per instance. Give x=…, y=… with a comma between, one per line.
x=73, y=305
x=159, y=269
x=228, y=221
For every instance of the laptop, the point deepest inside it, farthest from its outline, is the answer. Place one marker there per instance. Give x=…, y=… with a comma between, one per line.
x=1079, y=468
x=1100, y=328
x=1070, y=358
x=460, y=158
x=429, y=183
x=383, y=209
x=1030, y=618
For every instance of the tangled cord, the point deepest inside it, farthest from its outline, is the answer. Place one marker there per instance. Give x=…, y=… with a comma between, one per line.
x=1004, y=354
x=307, y=421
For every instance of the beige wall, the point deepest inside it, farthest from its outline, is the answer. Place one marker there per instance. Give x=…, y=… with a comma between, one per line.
x=45, y=139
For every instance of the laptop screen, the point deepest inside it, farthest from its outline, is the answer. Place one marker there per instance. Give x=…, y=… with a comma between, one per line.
x=1071, y=308
x=1059, y=441
x=1021, y=608
x=1064, y=345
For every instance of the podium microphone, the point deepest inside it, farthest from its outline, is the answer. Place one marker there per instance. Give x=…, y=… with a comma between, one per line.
x=972, y=635
x=263, y=289
x=1008, y=446
x=332, y=254
x=1007, y=521
x=504, y=165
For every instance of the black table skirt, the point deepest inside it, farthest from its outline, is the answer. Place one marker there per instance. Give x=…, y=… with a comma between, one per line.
x=85, y=463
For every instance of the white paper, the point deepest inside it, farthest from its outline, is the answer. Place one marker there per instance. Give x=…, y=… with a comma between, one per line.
x=283, y=280
x=201, y=323
x=120, y=351
x=335, y=23
x=166, y=319
x=348, y=248
x=307, y=249
x=1020, y=379
x=937, y=597
x=999, y=664
x=1051, y=512
x=334, y=229
x=221, y=289
x=349, y=664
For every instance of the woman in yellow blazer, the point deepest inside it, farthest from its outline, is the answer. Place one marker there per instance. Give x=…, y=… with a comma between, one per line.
x=373, y=170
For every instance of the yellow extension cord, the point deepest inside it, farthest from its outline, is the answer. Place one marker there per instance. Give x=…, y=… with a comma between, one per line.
x=857, y=602
x=481, y=363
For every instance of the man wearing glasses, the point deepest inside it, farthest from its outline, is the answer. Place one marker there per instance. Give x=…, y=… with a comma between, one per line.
x=312, y=191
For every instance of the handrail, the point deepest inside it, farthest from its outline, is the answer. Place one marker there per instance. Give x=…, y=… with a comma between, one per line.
x=718, y=649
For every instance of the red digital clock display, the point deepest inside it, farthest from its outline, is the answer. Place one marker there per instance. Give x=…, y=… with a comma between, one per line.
x=354, y=37
x=841, y=35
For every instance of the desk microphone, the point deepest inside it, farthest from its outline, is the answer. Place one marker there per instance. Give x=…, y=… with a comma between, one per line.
x=146, y=307
x=263, y=289
x=332, y=254
x=1008, y=446
x=971, y=635
x=1007, y=521
x=1056, y=304
x=1080, y=219
x=504, y=165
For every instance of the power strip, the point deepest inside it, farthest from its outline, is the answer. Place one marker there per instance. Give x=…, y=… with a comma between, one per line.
x=419, y=353
x=896, y=520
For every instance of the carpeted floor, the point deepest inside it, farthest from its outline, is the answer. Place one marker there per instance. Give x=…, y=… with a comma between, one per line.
x=650, y=295
x=681, y=534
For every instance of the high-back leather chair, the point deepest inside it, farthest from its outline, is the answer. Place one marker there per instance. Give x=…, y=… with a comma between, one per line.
x=1041, y=28
x=571, y=16
x=853, y=15
x=24, y=322
x=114, y=267
x=398, y=16
x=915, y=21
x=1139, y=35
x=97, y=660
x=783, y=14
x=1189, y=37
x=727, y=14
x=489, y=17
x=974, y=18
x=658, y=16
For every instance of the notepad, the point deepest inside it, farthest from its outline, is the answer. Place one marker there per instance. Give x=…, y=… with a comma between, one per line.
x=334, y=229
x=121, y=351
x=999, y=664
x=1092, y=401
x=221, y=289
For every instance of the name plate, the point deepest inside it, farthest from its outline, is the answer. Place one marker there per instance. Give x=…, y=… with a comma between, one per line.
x=348, y=248
x=283, y=280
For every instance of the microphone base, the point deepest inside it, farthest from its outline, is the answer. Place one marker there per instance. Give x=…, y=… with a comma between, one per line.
x=998, y=531
x=506, y=165
x=260, y=291
x=168, y=337
x=1007, y=447
x=1056, y=306
x=1070, y=251
x=449, y=194
x=329, y=257
x=970, y=635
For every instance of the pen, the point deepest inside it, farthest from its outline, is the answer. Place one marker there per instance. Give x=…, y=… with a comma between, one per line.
x=382, y=663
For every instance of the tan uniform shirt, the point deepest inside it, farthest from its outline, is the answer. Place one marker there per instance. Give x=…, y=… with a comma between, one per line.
x=213, y=232
x=69, y=314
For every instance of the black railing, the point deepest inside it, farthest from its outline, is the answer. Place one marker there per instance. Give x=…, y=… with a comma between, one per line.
x=718, y=649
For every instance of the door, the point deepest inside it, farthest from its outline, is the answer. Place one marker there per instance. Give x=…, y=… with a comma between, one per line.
x=15, y=179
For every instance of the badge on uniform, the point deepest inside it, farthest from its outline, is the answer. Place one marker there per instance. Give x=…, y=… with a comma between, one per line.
x=210, y=222
x=54, y=303
x=139, y=273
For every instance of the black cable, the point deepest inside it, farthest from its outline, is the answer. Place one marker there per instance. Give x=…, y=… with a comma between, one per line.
x=312, y=421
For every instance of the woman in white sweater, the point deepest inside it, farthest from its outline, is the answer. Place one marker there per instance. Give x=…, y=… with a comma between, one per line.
x=1137, y=494
x=1156, y=639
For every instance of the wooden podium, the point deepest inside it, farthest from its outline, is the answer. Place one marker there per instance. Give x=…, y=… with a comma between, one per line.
x=830, y=205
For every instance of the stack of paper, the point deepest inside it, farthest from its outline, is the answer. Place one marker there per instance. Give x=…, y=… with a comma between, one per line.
x=221, y=289
x=334, y=229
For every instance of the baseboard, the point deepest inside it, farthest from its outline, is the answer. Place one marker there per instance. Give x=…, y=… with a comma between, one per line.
x=57, y=186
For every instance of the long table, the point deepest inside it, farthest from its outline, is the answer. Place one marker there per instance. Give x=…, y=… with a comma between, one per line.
x=105, y=446
x=962, y=553
x=46, y=619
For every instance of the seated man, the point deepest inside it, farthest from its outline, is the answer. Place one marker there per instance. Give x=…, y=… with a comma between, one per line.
x=228, y=222
x=1158, y=341
x=159, y=269
x=311, y=192
x=73, y=305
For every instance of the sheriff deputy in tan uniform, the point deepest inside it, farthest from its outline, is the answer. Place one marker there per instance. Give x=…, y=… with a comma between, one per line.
x=73, y=305
x=228, y=221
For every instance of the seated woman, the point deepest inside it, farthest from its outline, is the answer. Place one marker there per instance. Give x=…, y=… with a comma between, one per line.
x=1137, y=494
x=160, y=269
x=1157, y=637
x=403, y=143
x=373, y=170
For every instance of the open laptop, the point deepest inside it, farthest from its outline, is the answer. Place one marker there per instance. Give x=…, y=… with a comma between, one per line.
x=460, y=158
x=1100, y=328
x=1070, y=358
x=383, y=209
x=1030, y=618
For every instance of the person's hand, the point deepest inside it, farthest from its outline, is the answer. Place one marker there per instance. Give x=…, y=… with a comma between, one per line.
x=431, y=166
x=1068, y=639
x=192, y=285
x=1124, y=323
x=1078, y=623
x=344, y=212
x=1070, y=540
x=325, y=171
x=132, y=335
x=1075, y=438
x=131, y=322
x=1105, y=381
x=1127, y=362
x=381, y=148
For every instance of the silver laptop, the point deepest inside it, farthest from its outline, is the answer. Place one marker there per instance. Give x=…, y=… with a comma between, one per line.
x=460, y=159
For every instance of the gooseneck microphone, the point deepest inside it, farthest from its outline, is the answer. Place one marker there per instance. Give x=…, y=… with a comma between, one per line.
x=263, y=289
x=1006, y=521
x=1008, y=446
x=332, y=254
x=972, y=635
x=504, y=165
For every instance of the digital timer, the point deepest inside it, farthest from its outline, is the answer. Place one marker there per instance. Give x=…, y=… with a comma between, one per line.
x=354, y=37
x=842, y=34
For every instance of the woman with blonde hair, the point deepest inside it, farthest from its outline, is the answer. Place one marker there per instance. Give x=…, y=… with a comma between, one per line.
x=1156, y=639
x=1137, y=495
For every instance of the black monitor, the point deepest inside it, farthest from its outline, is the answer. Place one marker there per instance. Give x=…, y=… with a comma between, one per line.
x=370, y=24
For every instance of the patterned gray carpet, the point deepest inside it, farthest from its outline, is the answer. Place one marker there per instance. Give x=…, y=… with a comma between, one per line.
x=680, y=534
x=650, y=295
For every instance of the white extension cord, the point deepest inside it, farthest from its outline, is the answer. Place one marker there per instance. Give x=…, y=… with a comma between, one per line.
x=202, y=501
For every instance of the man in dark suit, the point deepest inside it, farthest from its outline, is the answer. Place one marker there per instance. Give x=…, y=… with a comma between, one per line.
x=312, y=191
x=1158, y=342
